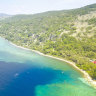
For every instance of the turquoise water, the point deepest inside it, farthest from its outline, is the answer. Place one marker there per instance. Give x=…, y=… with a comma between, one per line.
x=26, y=73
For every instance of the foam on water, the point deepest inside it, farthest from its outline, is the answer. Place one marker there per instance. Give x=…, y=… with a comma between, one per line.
x=84, y=81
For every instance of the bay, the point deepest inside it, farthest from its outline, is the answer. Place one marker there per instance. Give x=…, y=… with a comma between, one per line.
x=26, y=73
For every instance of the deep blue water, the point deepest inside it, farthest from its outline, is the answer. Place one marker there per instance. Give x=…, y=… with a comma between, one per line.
x=22, y=79
x=19, y=79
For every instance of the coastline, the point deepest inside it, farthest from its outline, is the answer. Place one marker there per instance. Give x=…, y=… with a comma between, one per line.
x=86, y=75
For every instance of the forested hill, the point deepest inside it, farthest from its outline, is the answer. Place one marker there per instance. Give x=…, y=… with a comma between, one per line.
x=69, y=34
x=2, y=16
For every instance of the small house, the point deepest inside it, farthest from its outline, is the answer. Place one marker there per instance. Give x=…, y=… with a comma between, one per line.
x=94, y=62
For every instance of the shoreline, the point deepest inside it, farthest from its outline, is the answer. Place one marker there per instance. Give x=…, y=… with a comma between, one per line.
x=86, y=75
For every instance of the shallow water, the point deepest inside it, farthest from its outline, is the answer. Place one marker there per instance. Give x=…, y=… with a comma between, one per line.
x=26, y=73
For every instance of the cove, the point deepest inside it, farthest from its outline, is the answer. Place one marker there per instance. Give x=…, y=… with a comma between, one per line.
x=26, y=73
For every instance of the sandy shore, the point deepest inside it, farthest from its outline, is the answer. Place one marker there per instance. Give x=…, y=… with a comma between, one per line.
x=86, y=75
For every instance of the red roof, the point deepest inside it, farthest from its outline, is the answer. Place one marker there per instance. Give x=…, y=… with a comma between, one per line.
x=94, y=62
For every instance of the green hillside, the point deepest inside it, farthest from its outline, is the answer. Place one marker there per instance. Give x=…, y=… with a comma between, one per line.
x=69, y=34
x=3, y=16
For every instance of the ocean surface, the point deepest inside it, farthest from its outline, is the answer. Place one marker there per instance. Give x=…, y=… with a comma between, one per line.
x=26, y=73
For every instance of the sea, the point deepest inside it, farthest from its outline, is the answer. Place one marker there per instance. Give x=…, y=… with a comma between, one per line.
x=27, y=73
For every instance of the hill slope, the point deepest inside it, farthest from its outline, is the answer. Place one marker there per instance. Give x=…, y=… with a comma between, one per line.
x=3, y=16
x=69, y=34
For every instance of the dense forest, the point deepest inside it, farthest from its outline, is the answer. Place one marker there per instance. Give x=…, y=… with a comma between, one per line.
x=68, y=34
